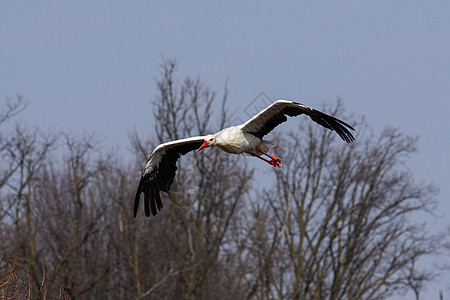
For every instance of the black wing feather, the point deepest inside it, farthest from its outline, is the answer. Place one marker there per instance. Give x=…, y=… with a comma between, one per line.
x=160, y=178
x=281, y=109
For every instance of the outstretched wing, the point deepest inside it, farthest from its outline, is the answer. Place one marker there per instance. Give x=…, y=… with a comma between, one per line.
x=275, y=114
x=160, y=171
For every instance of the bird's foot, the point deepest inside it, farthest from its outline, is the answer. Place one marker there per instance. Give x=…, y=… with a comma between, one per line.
x=274, y=158
x=276, y=162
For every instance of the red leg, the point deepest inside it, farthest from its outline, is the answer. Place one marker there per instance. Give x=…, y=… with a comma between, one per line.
x=274, y=158
x=272, y=162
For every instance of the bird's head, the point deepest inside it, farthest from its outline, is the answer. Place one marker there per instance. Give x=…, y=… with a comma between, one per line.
x=210, y=140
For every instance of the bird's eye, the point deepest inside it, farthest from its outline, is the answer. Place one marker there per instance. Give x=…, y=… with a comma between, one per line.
x=210, y=140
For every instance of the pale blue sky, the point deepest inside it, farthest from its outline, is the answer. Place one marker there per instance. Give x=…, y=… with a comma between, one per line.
x=92, y=66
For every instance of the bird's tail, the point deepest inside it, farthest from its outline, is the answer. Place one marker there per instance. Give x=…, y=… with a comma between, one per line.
x=267, y=145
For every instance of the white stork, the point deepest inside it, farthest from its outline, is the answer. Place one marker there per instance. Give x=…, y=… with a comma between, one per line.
x=244, y=139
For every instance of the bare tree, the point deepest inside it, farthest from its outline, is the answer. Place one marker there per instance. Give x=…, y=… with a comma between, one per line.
x=73, y=196
x=203, y=199
x=15, y=280
x=56, y=215
x=8, y=168
x=337, y=223
x=12, y=108
x=26, y=150
x=346, y=215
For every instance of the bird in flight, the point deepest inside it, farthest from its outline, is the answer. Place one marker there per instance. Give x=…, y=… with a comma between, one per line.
x=246, y=139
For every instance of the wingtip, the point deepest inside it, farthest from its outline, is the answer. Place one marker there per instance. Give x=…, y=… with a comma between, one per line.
x=346, y=135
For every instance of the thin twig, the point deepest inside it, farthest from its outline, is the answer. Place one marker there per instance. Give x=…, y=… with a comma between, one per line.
x=171, y=273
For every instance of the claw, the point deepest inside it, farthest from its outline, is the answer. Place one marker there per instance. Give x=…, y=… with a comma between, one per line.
x=275, y=163
x=274, y=158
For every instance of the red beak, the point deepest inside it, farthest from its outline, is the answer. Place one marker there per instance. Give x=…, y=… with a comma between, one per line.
x=205, y=143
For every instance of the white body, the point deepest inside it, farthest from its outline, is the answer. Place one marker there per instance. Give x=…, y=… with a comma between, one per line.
x=234, y=140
